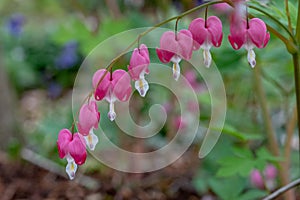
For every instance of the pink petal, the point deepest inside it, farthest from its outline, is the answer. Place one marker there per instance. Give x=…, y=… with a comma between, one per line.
x=256, y=179
x=214, y=26
x=121, y=86
x=182, y=46
x=185, y=40
x=164, y=56
x=139, y=62
x=257, y=32
x=168, y=42
x=267, y=39
x=222, y=7
x=88, y=118
x=270, y=172
x=64, y=138
x=77, y=149
x=103, y=87
x=237, y=35
x=144, y=52
x=197, y=28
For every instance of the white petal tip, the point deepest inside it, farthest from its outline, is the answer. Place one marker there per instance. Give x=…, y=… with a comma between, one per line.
x=111, y=116
x=207, y=58
x=71, y=169
x=251, y=58
x=91, y=141
x=176, y=71
x=142, y=86
x=252, y=64
x=176, y=76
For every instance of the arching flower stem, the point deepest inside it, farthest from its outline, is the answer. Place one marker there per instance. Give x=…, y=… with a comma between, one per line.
x=229, y=2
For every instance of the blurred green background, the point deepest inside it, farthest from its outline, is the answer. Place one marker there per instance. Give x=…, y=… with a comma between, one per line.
x=42, y=45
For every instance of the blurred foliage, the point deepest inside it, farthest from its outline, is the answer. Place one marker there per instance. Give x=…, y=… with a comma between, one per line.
x=45, y=42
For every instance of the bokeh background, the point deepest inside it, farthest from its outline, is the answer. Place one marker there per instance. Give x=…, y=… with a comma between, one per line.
x=42, y=45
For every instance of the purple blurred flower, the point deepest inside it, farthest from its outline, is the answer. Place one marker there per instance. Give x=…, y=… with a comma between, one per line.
x=68, y=57
x=15, y=24
x=54, y=90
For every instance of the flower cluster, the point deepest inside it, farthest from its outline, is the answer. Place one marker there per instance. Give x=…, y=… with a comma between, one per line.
x=115, y=85
x=73, y=146
x=267, y=179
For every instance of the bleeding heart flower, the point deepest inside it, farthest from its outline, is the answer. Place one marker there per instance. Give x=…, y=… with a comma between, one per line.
x=113, y=87
x=71, y=147
x=249, y=35
x=267, y=179
x=270, y=174
x=138, y=67
x=174, y=48
x=206, y=34
x=257, y=179
x=89, y=118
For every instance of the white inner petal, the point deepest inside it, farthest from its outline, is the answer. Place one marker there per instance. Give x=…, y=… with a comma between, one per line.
x=251, y=58
x=111, y=113
x=176, y=71
x=91, y=140
x=176, y=59
x=71, y=168
x=142, y=85
x=207, y=57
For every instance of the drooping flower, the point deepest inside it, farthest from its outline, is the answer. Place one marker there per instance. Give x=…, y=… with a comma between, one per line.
x=249, y=35
x=222, y=8
x=267, y=179
x=270, y=174
x=206, y=34
x=257, y=179
x=174, y=47
x=88, y=120
x=113, y=87
x=138, y=67
x=71, y=147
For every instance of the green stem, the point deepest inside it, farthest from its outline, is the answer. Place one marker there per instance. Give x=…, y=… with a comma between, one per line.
x=297, y=90
x=288, y=15
x=271, y=135
x=298, y=25
x=261, y=96
x=108, y=68
x=275, y=20
x=176, y=27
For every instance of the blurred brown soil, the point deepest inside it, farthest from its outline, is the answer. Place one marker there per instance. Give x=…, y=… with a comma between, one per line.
x=23, y=180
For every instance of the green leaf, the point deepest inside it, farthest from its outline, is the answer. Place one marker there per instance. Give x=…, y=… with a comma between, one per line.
x=242, y=152
x=253, y=194
x=229, y=188
x=235, y=166
x=230, y=130
x=263, y=153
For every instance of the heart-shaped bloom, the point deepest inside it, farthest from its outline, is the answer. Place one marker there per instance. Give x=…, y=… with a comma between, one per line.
x=174, y=47
x=249, y=35
x=270, y=174
x=138, y=67
x=256, y=179
x=88, y=120
x=206, y=34
x=113, y=87
x=267, y=179
x=71, y=147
